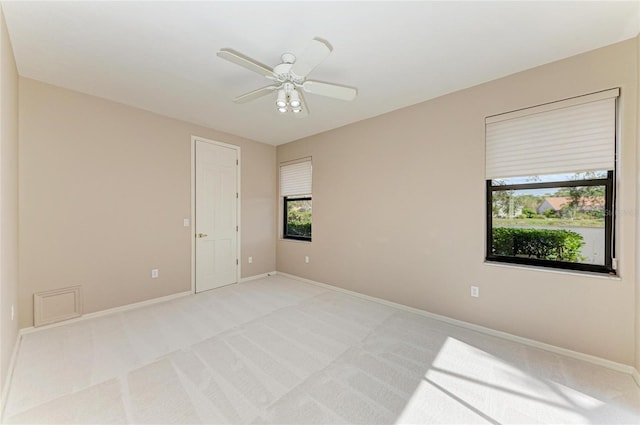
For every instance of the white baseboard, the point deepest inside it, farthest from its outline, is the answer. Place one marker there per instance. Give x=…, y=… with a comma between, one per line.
x=106, y=312
x=9, y=377
x=256, y=277
x=526, y=341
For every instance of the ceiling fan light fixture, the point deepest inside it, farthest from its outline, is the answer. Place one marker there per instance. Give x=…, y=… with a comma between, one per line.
x=282, y=110
x=294, y=99
x=282, y=100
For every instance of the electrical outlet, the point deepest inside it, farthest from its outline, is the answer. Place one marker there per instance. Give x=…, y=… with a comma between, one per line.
x=250, y=260
x=475, y=291
x=306, y=259
x=154, y=273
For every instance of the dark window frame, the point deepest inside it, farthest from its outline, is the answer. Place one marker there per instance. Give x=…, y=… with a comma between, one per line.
x=285, y=224
x=609, y=222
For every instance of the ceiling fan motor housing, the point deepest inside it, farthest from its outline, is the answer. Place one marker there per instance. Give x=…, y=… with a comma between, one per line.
x=283, y=74
x=288, y=58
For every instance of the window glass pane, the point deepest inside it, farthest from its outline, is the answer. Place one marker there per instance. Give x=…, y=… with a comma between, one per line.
x=298, y=219
x=557, y=224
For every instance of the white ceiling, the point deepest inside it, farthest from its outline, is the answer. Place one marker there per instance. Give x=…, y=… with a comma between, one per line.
x=161, y=56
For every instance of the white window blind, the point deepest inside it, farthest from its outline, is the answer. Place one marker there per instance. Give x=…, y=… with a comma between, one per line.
x=295, y=178
x=572, y=135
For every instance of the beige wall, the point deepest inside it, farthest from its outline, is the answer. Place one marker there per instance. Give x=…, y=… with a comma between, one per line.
x=104, y=189
x=8, y=200
x=399, y=212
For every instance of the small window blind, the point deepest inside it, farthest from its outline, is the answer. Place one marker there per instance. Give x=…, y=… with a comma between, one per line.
x=295, y=178
x=572, y=135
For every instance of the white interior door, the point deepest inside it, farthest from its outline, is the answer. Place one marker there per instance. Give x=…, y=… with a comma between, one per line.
x=216, y=222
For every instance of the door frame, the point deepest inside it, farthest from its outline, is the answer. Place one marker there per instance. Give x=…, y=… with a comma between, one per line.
x=192, y=227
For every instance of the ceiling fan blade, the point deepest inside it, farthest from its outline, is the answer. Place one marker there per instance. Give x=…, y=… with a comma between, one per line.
x=305, y=109
x=255, y=94
x=245, y=62
x=330, y=90
x=317, y=51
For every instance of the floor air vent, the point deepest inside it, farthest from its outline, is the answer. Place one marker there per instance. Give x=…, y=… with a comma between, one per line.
x=56, y=305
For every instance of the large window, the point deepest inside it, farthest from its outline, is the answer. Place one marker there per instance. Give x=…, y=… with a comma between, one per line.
x=560, y=221
x=551, y=184
x=295, y=191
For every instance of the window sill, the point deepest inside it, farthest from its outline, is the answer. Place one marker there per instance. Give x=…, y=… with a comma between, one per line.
x=294, y=240
x=552, y=270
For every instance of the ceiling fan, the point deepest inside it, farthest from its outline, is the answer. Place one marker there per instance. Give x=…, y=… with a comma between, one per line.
x=289, y=79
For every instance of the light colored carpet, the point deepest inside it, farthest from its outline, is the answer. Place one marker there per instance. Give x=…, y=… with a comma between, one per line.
x=279, y=351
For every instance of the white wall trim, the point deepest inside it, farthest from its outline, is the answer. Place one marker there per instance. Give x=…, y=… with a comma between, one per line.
x=193, y=206
x=620, y=367
x=256, y=277
x=192, y=218
x=107, y=312
x=7, y=382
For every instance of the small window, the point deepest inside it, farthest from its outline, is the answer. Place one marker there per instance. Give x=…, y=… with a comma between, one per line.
x=550, y=181
x=297, y=218
x=295, y=191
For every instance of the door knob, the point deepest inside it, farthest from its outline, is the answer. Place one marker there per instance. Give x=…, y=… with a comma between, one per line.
x=201, y=235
